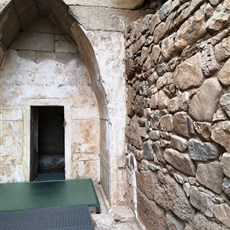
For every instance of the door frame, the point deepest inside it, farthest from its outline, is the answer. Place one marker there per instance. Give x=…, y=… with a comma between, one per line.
x=27, y=104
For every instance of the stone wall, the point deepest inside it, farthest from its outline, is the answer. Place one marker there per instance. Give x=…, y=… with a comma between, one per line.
x=178, y=123
x=44, y=68
x=105, y=66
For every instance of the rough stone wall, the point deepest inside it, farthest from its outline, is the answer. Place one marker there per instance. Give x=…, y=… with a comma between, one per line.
x=178, y=123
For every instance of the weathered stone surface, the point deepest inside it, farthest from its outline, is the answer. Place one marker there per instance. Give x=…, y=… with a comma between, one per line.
x=202, y=201
x=225, y=160
x=155, y=54
x=201, y=222
x=184, y=100
x=148, y=153
x=150, y=213
x=226, y=186
x=166, y=123
x=133, y=133
x=108, y=3
x=225, y=102
x=108, y=19
x=161, y=69
x=215, y=2
x=173, y=105
x=173, y=223
x=138, y=45
x=169, y=46
x=181, y=123
x=34, y=41
x=165, y=191
x=192, y=29
x=153, y=23
x=222, y=213
x=144, y=54
x=222, y=50
x=155, y=118
x=145, y=23
x=220, y=17
x=159, y=151
x=203, y=129
x=165, y=10
x=180, y=161
x=224, y=74
x=220, y=115
x=202, y=151
x=159, y=32
x=159, y=100
x=189, y=74
x=221, y=134
x=154, y=135
x=169, y=186
x=165, y=80
x=210, y=175
x=208, y=61
x=179, y=143
x=203, y=105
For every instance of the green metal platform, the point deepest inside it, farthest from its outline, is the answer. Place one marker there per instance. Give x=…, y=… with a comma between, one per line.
x=63, y=193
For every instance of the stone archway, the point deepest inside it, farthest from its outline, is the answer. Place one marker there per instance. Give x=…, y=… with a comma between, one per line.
x=16, y=16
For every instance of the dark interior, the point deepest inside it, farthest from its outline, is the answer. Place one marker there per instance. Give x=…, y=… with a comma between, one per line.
x=47, y=130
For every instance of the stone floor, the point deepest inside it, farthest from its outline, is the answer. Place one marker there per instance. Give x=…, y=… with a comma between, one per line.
x=112, y=218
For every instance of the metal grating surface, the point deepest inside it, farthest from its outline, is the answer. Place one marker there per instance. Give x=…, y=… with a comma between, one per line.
x=59, y=218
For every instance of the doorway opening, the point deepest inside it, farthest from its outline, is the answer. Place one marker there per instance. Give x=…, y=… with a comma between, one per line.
x=47, y=153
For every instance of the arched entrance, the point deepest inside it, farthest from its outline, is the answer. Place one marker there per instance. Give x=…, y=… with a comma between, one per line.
x=14, y=18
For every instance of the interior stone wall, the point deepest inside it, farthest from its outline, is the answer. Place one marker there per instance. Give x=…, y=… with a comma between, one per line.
x=178, y=123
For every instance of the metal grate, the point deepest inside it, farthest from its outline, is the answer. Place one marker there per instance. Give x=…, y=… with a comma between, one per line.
x=59, y=218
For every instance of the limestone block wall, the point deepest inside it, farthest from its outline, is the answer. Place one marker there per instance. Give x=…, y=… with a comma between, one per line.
x=178, y=121
x=44, y=68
